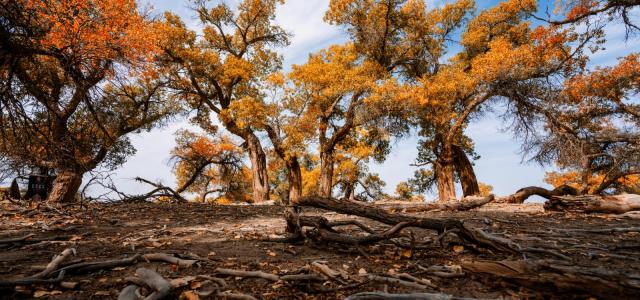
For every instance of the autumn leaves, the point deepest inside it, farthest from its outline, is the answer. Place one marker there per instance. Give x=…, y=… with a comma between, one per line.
x=93, y=72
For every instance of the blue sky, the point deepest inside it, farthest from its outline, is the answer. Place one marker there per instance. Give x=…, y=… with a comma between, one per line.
x=500, y=164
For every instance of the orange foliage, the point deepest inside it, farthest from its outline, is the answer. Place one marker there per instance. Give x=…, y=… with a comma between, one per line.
x=92, y=30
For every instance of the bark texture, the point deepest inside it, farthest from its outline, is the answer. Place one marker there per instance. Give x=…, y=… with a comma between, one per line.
x=326, y=174
x=445, y=180
x=594, y=204
x=258, y=169
x=65, y=186
x=524, y=193
x=465, y=171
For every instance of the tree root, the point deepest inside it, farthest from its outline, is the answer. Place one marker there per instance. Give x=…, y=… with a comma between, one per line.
x=161, y=287
x=55, y=262
x=475, y=236
x=16, y=240
x=29, y=281
x=414, y=296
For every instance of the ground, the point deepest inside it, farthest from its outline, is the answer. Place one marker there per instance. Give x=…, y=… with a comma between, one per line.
x=232, y=237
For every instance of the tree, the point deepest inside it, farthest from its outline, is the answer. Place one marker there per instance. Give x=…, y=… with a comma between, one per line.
x=221, y=72
x=210, y=166
x=342, y=93
x=76, y=79
x=585, y=11
x=591, y=129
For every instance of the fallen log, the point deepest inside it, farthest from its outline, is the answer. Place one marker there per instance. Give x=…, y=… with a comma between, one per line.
x=552, y=277
x=617, y=204
x=472, y=235
x=523, y=194
x=467, y=203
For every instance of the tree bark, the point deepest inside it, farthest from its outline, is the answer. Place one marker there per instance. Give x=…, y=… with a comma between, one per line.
x=465, y=171
x=326, y=174
x=65, y=186
x=594, y=204
x=258, y=169
x=445, y=179
x=524, y=193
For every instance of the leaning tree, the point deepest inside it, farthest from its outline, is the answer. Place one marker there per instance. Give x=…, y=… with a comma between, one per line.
x=76, y=79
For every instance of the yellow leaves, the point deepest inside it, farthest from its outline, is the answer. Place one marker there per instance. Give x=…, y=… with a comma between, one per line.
x=247, y=112
x=611, y=83
x=503, y=19
x=94, y=30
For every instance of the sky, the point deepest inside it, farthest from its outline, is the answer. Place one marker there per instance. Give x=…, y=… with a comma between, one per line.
x=501, y=164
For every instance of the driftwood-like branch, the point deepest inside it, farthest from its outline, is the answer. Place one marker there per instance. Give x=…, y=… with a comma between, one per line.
x=524, y=193
x=130, y=292
x=28, y=281
x=55, y=262
x=472, y=235
x=594, y=204
x=161, y=287
x=187, y=263
x=254, y=274
x=413, y=296
x=397, y=281
x=329, y=236
x=85, y=267
x=467, y=203
x=561, y=277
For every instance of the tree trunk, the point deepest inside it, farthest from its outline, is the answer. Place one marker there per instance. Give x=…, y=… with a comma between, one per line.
x=326, y=174
x=295, y=180
x=594, y=204
x=291, y=214
x=258, y=169
x=65, y=186
x=465, y=171
x=444, y=176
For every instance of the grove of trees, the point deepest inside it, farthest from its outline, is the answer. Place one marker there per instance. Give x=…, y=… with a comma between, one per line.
x=78, y=77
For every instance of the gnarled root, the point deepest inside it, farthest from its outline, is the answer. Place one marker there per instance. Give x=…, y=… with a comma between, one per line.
x=475, y=236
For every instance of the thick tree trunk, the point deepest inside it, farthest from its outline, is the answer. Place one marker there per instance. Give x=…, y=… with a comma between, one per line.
x=465, y=171
x=445, y=179
x=295, y=192
x=258, y=169
x=65, y=186
x=594, y=204
x=325, y=184
x=295, y=180
x=349, y=191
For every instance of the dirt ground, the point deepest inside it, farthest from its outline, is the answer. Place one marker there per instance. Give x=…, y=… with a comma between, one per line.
x=231, y=237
